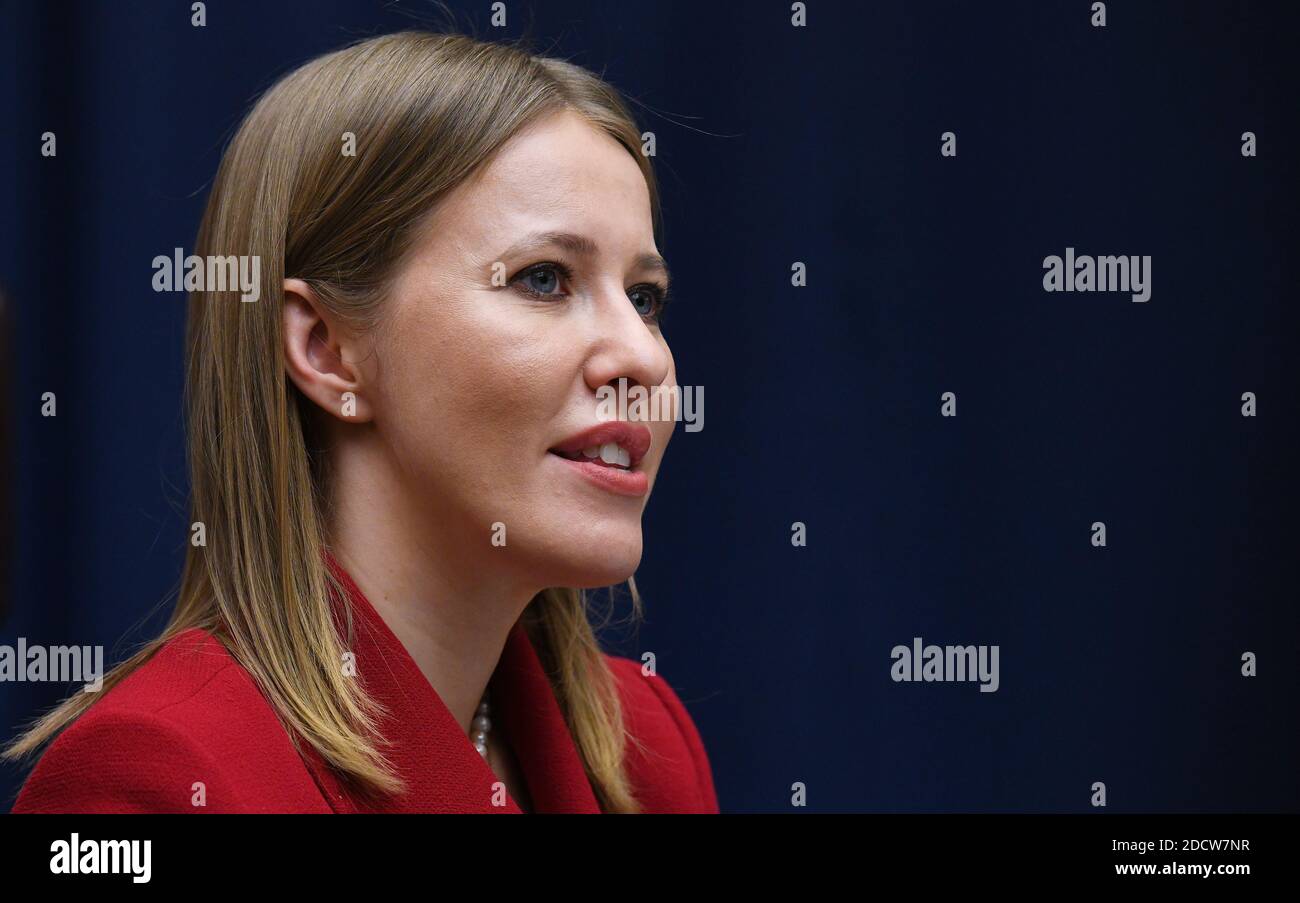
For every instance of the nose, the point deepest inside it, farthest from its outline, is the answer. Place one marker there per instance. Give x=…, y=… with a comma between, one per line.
x=624, y=345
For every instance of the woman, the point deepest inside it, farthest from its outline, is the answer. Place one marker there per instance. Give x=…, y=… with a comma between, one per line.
x=400, y=481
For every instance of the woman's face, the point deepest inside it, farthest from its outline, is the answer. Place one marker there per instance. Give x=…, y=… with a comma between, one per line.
x=497, y=337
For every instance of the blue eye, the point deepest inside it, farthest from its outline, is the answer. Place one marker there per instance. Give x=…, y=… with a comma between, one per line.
x=649, y=300
x=542, y=280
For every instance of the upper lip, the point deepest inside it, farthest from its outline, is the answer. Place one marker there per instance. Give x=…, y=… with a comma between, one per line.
x=632, y=437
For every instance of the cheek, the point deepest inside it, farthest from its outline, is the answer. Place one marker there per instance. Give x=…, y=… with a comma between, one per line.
x=468, y=380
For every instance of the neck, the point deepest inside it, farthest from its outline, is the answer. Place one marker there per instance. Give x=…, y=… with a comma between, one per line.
x=440, y=596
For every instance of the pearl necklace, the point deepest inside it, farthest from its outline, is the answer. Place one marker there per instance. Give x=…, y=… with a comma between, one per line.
x=482, y=724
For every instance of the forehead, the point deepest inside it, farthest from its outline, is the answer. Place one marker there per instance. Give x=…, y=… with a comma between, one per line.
x=559, y=173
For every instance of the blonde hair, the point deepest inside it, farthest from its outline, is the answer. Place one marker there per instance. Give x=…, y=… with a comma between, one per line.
x=427, y=111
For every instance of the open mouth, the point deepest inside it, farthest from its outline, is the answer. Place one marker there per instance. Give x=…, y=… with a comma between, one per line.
x=609, y=457
x=611, y=454
x=615, y=444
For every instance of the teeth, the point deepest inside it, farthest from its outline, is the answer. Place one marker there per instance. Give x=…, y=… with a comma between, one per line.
x=610, y=453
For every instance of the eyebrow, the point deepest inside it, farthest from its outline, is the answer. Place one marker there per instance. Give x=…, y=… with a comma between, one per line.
x=582, y=246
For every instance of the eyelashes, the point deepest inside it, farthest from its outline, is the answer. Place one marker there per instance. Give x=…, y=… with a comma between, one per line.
x=538, y=269
x=656, y=293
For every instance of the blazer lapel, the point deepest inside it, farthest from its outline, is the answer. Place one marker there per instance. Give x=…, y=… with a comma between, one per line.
x=539, y=735
x=429, y=749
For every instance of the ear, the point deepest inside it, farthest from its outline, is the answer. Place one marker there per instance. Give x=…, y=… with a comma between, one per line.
x=321, y=357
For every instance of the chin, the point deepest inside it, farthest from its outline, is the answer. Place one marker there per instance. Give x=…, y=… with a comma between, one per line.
x=599, y=562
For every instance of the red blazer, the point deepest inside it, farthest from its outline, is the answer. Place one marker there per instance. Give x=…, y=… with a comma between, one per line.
x=193, y=714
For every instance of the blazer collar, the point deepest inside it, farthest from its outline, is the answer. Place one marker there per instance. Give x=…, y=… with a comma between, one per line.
x=442, y=770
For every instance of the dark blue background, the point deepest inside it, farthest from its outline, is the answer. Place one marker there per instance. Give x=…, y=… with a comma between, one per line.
x=775, y=145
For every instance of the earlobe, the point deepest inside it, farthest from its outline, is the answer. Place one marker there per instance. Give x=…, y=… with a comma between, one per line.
x=318, y=355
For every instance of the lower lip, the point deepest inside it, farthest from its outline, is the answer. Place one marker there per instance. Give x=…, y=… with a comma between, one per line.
x=632, y=483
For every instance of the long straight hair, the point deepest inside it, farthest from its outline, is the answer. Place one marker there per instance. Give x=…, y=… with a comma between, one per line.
x=425, y=111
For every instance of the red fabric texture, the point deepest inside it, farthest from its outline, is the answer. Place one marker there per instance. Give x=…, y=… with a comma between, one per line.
x=193, y=715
